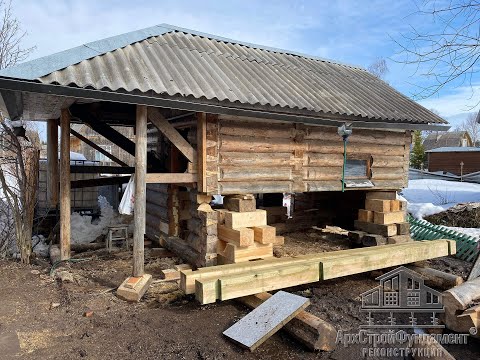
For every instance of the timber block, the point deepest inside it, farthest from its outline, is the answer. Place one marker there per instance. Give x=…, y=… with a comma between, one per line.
x=133, y=288
x=394, y=205
x=240, y=237
x=182, y=267
x=264, y=234
x=365, y=215
x=170, y=274
x=388, y=217
x=235, y=220
x=403, y=228
x=403, y=205
x=356, y=236
x=379, y=229
x=399, y=239
x=237, y=203
x=234, y=254
x=381, y=195
x=378, y=205
x=373, y=240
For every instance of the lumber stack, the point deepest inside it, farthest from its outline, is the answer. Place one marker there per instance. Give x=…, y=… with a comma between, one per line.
x=231, y=281
x=243, y=233
x=382, y=221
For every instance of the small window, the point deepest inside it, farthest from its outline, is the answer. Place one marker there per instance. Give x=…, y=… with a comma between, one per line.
x=356, y=169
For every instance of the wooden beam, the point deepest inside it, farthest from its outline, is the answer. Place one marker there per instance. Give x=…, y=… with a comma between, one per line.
x=202, y=151
x=65, y=185
x=52, y=162
x=98, y=148
x=92, y=169
x=170, y=178
x=157, y=119
x=140, y=190
x=110, y=180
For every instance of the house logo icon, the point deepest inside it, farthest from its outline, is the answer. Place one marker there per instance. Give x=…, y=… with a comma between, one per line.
x=402, y=300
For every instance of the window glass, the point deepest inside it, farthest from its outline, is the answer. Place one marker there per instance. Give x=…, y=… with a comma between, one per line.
x=355, y=168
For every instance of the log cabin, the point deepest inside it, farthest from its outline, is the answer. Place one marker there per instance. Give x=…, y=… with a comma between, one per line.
x=218, y=116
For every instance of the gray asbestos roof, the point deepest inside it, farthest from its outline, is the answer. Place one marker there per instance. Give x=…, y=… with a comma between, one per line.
x=180, y=63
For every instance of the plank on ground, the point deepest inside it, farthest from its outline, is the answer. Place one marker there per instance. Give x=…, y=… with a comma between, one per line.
x=264, y=321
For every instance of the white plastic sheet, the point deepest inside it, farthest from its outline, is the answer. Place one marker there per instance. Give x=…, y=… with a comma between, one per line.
x=128, y=198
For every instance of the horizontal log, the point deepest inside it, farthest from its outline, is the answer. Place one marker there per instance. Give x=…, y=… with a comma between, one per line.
x=323, y=173
x=255, y=144
x=241, y=174
x=171, y=178
x=157, y=198
x=358, y=136
x=157, y=211
x=381, y=161
x=388, y=173
x=255, y=159
x=316, y=159
x=249, y=187
x=161, y=188
x=254, y=129
x=330, y=147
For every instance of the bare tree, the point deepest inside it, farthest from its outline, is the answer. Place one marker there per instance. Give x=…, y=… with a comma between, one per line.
x=379, y=68
x=11, y=36
x=472, y=127
x=452, y=51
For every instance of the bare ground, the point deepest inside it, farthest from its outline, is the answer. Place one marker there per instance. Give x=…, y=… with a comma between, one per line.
x=44, y=318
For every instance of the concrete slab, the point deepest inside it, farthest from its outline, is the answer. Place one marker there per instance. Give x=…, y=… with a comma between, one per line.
x=133, y=288
x=266, y=319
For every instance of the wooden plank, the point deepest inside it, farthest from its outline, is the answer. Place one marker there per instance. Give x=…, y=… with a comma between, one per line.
x=170, y=178
x=381, y=195
x=157, y=119
x=140, y=190
x=202, y=152
x=382, y=258
x=388, y=217
x=264, y=321
x=254, y=282
x=65, y=185
x=384, y=230
x=238, y=203
x=240, y=237
x=52, y=162
x=236, y=220
x=234, y=254
x=378, y=205
x=264, y=234
x=98, y=148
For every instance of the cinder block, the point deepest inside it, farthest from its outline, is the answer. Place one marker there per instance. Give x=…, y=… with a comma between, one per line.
x=133, y=288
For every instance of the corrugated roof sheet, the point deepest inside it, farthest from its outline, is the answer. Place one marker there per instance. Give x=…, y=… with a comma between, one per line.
x=181, y=63
x=454, y=149
x=446, y=139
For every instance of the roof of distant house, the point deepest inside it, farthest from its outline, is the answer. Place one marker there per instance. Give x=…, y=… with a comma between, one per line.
x=453, y=149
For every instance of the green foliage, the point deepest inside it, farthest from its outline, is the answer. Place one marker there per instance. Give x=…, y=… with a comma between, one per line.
x=417, y=156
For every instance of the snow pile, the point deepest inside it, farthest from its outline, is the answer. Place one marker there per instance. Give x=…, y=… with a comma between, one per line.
x=84, y=231
x=76, y=156
x=428, y=197
x=473, y=232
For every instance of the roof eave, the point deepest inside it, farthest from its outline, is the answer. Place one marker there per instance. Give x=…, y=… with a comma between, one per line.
x=8, y=84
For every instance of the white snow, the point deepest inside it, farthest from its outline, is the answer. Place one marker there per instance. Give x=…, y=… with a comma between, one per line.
x=473, y=232
x=427, y=197
x=83, y=231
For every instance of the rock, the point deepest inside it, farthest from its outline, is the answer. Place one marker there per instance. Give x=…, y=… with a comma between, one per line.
x=35, y=272
x=64, y=276
x=54, y=305
x=88, y=313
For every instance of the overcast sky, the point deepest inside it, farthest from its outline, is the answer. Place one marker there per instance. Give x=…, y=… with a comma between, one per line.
x=354, y=32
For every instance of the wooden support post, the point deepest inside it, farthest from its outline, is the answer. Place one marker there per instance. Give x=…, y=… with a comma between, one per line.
x=65, y=185
x=140, y=190
x=52, y=162
x=202, y=152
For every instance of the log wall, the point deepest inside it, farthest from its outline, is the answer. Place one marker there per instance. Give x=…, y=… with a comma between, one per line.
x=247, y=156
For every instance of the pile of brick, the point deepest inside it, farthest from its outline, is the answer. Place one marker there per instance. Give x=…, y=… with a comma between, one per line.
x=243, y=233
x=383, y=221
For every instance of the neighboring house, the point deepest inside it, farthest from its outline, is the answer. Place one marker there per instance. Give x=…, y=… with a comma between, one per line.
x=77, y=145
x=454, y=160
x=447, y=139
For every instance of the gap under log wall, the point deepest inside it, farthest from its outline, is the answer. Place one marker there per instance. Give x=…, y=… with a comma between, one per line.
x=245, y=156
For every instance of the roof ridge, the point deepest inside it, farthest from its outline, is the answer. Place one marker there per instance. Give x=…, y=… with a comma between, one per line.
x=36, y=68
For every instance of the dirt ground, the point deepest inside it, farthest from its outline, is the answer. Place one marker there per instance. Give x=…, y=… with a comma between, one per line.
x=43, y=317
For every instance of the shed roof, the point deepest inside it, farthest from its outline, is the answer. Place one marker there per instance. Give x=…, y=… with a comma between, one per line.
x=448, y=149
x=172, y=62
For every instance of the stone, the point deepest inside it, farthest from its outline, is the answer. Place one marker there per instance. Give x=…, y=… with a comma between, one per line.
x=133, y=288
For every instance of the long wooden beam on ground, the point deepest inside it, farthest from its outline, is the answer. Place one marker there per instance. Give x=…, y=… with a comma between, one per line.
x=170, y=178
x=65, y=185
x=236, y=280
x=157, y=119
x=98, y=148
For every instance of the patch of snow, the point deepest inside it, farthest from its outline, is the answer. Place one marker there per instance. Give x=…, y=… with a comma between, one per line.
x=84, y=231
x=473, y=232
x=427, y=197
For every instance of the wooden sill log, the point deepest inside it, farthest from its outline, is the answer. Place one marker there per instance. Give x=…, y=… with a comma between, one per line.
x=313, y=332
x=455, y=301
x=436, y=278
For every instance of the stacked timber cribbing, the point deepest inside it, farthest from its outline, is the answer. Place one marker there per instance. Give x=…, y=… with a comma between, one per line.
x=467, y=246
